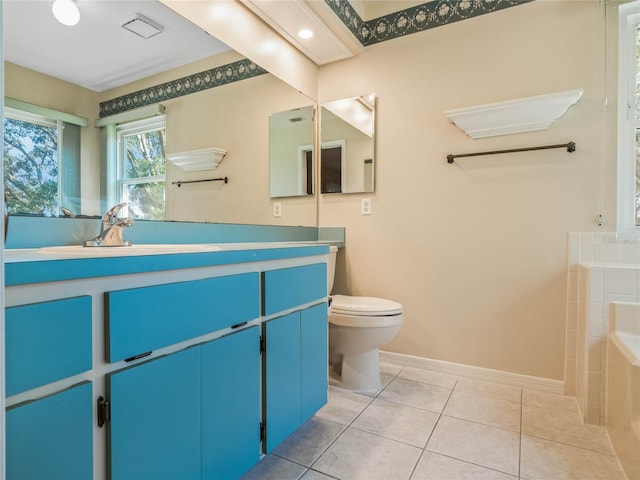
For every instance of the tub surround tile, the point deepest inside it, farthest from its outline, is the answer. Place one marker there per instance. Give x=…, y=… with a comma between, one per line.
x=620, y=281
x=359, y=455
x=486, y=410
x=472, y=442
x=415, y=394
x=438, y=467
x=611, y=276
x=544, y=459
x=310, y=441
x=397, y=422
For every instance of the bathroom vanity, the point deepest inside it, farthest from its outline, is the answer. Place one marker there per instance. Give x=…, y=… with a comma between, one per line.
x=161, y=362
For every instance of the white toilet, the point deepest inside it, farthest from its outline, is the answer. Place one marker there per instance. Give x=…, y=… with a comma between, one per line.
x=358, y=326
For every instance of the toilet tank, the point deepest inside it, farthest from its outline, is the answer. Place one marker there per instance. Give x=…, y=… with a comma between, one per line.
x=331, y=267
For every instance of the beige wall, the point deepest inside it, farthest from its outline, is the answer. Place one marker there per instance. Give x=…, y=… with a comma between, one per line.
x=234, y=117
x=33, y=87
x=476, y=251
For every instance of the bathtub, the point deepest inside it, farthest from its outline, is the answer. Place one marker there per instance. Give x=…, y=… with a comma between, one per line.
x=623, y=384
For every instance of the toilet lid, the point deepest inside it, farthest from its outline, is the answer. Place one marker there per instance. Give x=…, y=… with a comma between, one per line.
x=364, y=306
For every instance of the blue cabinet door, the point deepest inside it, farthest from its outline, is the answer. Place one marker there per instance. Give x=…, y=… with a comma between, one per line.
x=313, y=360
x=52, y=438
x=289, y=287
x=46, y=342
x=231, y=405
x=155, y=419
x=282, y=378
x=140, y=320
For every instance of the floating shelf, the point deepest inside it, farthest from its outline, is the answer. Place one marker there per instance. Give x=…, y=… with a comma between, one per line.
x=513, y=116
x=197, y=160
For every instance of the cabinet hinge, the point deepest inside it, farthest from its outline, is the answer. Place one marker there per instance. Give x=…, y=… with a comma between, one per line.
x=263, y=431
x=263, y=344
x=104, y=411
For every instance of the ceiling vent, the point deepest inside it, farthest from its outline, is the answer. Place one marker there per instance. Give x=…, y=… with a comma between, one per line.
x=142, y=26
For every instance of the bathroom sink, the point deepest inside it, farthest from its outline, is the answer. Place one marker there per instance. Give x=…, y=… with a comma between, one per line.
x=77, y=251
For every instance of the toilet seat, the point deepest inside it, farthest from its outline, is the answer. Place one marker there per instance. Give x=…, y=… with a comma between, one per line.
x=364, y=306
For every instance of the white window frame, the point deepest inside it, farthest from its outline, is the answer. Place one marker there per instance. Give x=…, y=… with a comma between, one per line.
x=120, y=191
x=629, y=19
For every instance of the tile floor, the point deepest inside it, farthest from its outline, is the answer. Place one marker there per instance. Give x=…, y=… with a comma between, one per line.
x=424, y=425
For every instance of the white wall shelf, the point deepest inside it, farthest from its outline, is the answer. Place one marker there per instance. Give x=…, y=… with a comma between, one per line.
x=513, y=116
x=197, y=160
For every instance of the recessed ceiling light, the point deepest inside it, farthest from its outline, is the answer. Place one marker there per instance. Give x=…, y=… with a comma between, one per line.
x=306, y=33
x=66, y=12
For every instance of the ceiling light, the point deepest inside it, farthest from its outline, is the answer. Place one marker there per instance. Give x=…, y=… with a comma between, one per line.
x=66, y=12
x=306, y=33
x=142, y=26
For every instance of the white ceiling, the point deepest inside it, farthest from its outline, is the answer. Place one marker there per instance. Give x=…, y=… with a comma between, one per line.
x=98, y=53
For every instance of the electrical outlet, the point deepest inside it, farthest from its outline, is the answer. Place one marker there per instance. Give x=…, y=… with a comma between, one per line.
x=277, y=209
x=365, y=206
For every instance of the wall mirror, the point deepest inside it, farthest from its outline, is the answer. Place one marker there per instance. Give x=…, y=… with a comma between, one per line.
x=291, y=164
x=347, y=157
x=233, y=116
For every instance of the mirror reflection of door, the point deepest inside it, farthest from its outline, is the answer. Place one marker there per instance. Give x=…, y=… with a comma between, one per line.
x=308, y=169
x=352, y=121
x=291, y=135
x=331, y=169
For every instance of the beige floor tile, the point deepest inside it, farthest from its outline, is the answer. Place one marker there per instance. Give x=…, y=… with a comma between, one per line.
x=397, y=422
x=343, y=406
x=438, y=467
x=493, y=390
x=550, y=401
x=358, y=455
x=487, y=410
x=426, y=376
x=313, y=475
x=307, y=443
x=416, y=394
x=472, y=442
x=564, y=426
x=544, y=460
x=274, y=468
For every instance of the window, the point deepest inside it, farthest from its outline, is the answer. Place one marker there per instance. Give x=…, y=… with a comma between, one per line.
x=141, y=167
x=41, y=163
x=629, y=121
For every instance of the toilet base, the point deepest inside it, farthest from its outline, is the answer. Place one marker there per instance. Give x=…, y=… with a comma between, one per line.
x=359, y=372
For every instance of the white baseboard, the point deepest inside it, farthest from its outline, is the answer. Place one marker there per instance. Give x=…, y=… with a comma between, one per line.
x=486, y=374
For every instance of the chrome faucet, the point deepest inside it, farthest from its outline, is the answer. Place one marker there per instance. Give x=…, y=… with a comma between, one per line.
x=111, y=232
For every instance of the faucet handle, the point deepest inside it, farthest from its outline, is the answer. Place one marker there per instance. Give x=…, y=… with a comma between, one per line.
x=112, y=213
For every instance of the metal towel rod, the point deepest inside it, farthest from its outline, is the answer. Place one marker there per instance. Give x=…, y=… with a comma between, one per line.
x=220, y=179
x=571, y=147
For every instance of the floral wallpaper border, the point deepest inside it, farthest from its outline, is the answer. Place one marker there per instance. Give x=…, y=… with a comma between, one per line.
x=415, y=19
x=215, y=77
x=405, y=22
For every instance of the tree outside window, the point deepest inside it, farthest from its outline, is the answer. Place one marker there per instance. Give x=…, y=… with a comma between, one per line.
x=31, y=166
x=141, y=172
